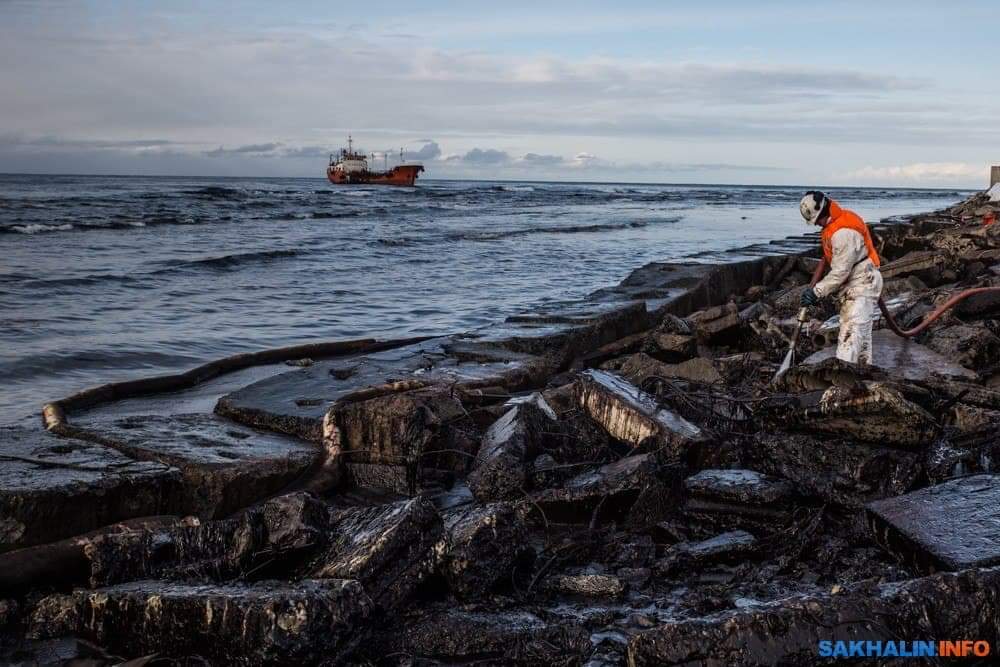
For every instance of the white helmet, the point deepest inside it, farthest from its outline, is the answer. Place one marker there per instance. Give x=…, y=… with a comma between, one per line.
x=812, y=205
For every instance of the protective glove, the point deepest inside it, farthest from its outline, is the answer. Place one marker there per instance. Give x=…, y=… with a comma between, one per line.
x=809, y=297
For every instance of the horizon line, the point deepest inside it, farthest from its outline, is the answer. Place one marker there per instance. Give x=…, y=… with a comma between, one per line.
x=529, y=181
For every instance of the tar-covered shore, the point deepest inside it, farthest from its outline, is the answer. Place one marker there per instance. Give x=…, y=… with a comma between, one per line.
x=617, y=480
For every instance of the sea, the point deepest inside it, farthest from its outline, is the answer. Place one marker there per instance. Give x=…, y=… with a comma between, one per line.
x=112, y=278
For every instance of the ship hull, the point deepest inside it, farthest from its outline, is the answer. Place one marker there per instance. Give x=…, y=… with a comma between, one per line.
x=404, y=175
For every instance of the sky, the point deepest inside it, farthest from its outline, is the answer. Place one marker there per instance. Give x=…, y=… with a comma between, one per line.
x=839, y=93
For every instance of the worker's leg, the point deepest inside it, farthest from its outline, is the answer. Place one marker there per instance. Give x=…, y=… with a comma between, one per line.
x=854, y=343
x=865, y=315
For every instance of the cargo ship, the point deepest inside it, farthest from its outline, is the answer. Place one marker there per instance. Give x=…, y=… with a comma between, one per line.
x=350, y=168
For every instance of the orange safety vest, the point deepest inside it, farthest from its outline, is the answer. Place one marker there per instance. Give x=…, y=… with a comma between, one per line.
x=844, y=219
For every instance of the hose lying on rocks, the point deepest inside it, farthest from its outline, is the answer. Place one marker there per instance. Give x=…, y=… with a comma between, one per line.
x=927, y=321
x=938, y=312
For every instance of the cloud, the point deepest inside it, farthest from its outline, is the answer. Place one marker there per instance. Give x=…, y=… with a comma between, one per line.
x=534, y=159
x=205, y=85
x=480, y=157
x=63, y=143
x=919, y=172
x=429, y=151
x=307, y=152
x=249, y=149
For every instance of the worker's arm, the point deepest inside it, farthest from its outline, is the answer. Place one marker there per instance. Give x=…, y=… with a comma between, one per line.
x=848, y=249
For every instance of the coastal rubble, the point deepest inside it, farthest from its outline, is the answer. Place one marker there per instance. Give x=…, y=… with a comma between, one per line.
x=949, y=526
x=51, y=487
x=615, y=480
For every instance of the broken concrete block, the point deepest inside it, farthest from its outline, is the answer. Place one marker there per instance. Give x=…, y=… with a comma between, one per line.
x=500, y=470
x=633, y=416
x=414, y=430
x=265, y=623
x=950, y=526
x=790, y=631
x=872, y=412
x=216, y=550
x=837, y=470
x=725, y=547
x=718, y=548
x=738, y=497
x=536, y=399
x=971, y=346
x=739, y=486
x=226, y=466
x=962, y=454
x=640, y=368
x=389, y=549
x=901, y=358
x=546, y=472
x=500, y=638
x=609, y=492
x=979, y=305
x=970, y=418
x=585, y=585
x=296, y=401
x=628, y=551
x=924, y=264
x=480, y=547
x=713, y=323
x=675, y=347
x=52, y=487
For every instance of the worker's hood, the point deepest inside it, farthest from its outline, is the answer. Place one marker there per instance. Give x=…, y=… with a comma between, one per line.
x=835, y=210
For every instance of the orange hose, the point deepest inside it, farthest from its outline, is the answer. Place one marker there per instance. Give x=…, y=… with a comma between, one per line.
x=938, y=312
x=927, y=321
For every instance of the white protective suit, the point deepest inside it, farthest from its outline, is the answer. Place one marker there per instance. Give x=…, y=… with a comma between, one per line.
x=858, y=284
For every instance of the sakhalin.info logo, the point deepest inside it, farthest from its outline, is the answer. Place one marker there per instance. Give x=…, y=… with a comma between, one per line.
x=904, y=649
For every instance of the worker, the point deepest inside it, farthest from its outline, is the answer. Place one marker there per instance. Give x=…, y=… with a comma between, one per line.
x=853, y=276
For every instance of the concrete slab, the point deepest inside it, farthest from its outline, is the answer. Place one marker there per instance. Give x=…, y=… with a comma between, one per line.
x=904, y=358
x=52, y=488
x=500, y=469
x=265, y=623
x=480, y=547
x=295, y=402
x=727, y=499
x=950, y=526
x=225, y=466
x=872, y=412
x=838, y=470
x=790, y=631
x=631, y=415
x=740, y=486
x=457, y=636
x=390, y=549
x=609, y=491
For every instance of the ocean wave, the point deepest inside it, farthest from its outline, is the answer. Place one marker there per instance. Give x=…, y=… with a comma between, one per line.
x=217, y=192
x=554, y=229
x=398, y=242
x=323, y=215
x=116, y=357
x=232, y=261
x=36, y=228
x=80, y=281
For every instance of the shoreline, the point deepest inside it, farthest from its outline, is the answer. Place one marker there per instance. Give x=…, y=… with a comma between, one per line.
x=612, y=478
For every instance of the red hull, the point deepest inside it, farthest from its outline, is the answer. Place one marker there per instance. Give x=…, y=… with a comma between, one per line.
x=405, y=175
